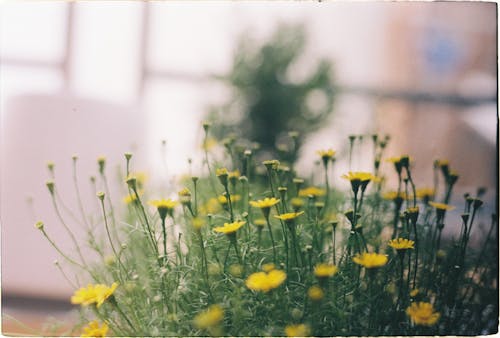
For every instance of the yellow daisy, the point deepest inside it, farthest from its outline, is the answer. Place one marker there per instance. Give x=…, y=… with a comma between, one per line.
x=265, y=281
x=324, y=270
x=297, y=330
x=422, y=313
x=289, y=216
x=370, y=260
x=93, y=294
x=312, y=191
x=93, y=329
x=265, y=203
x=441, y=206
x=326, y=154
x=401, y=244
x=209, y=318
x=229, y=228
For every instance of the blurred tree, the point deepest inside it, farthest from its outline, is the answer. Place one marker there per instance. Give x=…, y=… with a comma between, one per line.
x=267, y=101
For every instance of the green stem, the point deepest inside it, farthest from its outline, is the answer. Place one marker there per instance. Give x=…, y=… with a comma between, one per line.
x=272, y=239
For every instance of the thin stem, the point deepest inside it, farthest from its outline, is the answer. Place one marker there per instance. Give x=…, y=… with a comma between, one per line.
x=272, y=239
x=109, y=236
x=73, y=238
x=164, y=230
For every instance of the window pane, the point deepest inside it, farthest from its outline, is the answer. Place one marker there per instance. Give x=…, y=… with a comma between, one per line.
x=106, y=56
x=17, y=81
x=33, y=31
x=194, y=38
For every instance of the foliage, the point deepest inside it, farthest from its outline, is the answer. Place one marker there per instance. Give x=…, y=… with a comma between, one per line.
x=358, y=262
x=266, y=103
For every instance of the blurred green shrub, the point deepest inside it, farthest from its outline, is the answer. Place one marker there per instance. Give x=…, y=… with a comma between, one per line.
x=267, y=102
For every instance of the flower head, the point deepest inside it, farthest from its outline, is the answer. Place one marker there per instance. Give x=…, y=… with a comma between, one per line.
x=297, y=330
x=422, y=313
x=393, y=195
x=358, y=179
x=401, y=244
x=312, y=191
x=425, y=193
x=370, y=260
x=97, y=293
x=358, y=176
x=297, y=203
x=209, y=318
x=164, y=203
x=260, y=222
x=184, y=196
x=212, y=206
x=315, y=293
x=266, y=203
x=223, y=199
x=324, y=270
x=164, y=206
x=265, y=281
x=234, y=174
x=198, y=223
x=93, y=329
x=289, y=216
x=221, y=172
x=326, y=154
x=229, y=228
x=271, y=164
x=441, y=206
x=268, y=267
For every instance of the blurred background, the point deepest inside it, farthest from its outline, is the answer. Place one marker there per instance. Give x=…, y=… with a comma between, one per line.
x=103, y=78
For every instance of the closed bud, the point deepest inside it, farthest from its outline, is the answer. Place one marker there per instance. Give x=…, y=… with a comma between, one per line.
x=50, y=185
x=39, y=225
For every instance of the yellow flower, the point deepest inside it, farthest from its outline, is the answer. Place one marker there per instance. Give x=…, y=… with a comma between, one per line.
x=401, y=244
x=422, y=313
x=132, y=197
x=297, y=203
x=236, y=270
x=268, y=267
x=223, y=199
x=221, y=172
x=442, y=163
x=370, y=260
x=165, y=204
x=265, y=203
x=297, y=330
x=209, y=143
x=315, y=293
x=441, y=206
x=260, y=222
x=265, y=281
x=414, y=292
x=324, y=270
x=234, y=174
x=93, y=294
x=289, y=216
x=141, y=178
x=198, y=223
x=129, y=198
x=229, y=228
x=392, y=195
x=326, y=154
x=209, y=318
x=95, y=330
x=212, y=206
x=358, y=176
x=312, y=191
x=425, y=193
x=271, y=164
